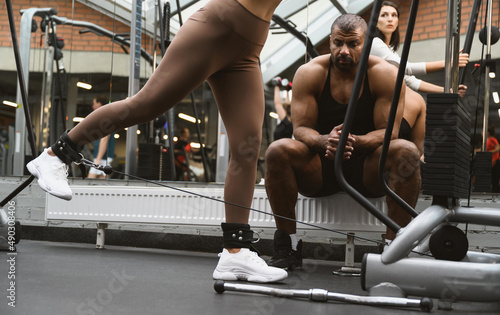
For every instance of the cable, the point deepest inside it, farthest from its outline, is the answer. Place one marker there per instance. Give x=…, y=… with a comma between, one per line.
x=112, y=55
x=471, y=171
x=307, y=31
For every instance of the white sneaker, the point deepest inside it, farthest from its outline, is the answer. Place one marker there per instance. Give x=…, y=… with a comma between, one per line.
x=246, y=265
x=52, y=175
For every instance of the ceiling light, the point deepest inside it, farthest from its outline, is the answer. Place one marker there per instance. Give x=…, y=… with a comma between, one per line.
x=188, y=118
x=273, y=115
x=8, y=103
x=495, y=97
x=84, y=85
x=77, y=119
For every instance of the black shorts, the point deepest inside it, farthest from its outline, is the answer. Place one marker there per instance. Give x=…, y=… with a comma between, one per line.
x=283, y=130
x=405, y=130
x=353, y=173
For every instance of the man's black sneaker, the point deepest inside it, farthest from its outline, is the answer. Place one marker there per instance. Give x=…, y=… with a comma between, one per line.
x=285, y=257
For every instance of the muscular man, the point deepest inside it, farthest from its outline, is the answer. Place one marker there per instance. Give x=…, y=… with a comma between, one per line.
x=322, y=89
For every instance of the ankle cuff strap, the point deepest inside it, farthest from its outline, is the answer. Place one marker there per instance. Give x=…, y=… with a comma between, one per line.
x=237, y=235
x=66, y=150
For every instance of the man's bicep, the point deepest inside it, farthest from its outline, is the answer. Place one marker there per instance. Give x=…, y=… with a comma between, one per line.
x=304, y=107
x=304, y=112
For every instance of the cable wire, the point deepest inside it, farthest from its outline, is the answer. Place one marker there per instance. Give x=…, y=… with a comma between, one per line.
x=108, y=170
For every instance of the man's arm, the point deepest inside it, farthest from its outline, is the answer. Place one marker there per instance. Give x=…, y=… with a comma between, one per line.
x=382, y=79
x=305, y=107
x=103, y=146
x=278, y=104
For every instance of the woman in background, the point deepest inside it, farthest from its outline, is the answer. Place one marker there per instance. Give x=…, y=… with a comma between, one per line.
x=384, y=45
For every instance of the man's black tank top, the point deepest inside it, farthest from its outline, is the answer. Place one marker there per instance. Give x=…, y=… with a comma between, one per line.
x=405, y=130
x=331, y=113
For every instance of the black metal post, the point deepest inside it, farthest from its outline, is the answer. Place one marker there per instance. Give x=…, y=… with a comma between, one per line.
x=470, y=35
x=22, y=84
x=351, y=109
x=394, y=108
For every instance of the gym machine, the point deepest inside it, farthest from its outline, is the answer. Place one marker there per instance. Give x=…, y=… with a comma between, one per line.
x=455, y=274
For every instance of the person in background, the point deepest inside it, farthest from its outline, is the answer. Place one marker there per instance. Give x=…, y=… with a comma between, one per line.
x=384, y=45
x=104, y=148
x=493, y=147
x=284, y=129
x=181, y=150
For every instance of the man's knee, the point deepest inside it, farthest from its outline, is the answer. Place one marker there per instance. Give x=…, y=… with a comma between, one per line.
x=279, y=151
x=404, y=157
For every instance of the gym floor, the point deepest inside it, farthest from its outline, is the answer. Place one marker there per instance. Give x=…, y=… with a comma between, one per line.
x=53, y=278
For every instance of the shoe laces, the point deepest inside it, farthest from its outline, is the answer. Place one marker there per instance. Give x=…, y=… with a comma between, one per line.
x=253, y=256
x=61, y=171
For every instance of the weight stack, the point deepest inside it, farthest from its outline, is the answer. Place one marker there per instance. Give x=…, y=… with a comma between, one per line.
x=154, y=162
x=482, y=172
x=446, y=146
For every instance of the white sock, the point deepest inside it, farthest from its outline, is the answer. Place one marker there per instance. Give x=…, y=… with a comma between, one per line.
x=295, y=241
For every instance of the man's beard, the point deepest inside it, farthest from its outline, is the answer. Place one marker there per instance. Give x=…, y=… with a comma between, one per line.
x=347, y=64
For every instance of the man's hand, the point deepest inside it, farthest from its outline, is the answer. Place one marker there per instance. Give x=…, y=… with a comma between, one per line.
x=332, y=142
x=463, y=59
x=461, y=90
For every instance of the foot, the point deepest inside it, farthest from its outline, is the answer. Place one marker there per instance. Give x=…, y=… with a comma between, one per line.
x=285, y=257
x=246, y=265
x=52, y=175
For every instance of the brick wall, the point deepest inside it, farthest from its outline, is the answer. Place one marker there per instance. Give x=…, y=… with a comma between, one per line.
x=431, y=22
x=72, y=39
x=431, y=19
x=432, y=15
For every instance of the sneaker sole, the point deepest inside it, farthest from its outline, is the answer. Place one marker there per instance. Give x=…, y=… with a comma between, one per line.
x=34, y=171
x=233, y=276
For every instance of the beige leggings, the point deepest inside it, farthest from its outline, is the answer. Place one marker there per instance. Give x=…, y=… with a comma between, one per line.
x=220, y=43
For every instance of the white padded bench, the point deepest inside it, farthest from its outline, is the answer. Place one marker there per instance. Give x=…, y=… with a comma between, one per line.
x=163, y=206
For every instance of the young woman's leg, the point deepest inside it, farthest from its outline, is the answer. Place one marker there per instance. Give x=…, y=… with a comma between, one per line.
x=240, y=99
x=202, y=46
x=191, y=58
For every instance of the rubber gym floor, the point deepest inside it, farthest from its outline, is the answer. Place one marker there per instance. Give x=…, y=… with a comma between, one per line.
x=53, y=278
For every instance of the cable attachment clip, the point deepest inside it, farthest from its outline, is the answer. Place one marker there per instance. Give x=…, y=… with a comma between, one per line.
x=105, y=168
